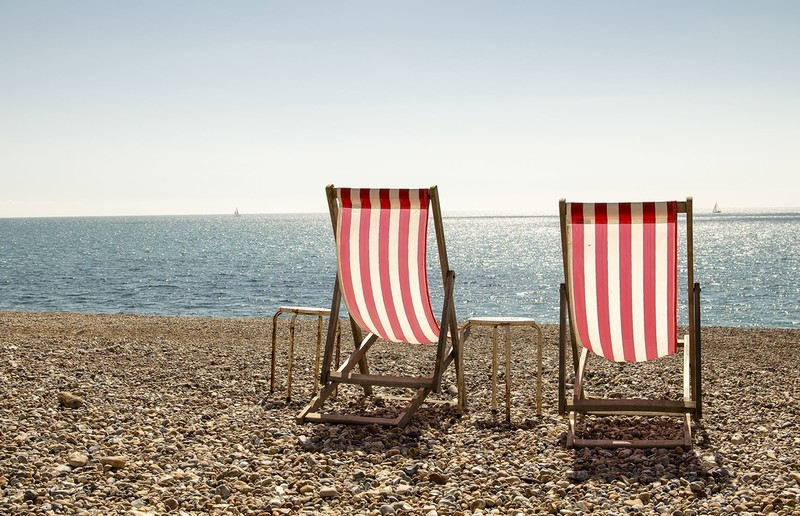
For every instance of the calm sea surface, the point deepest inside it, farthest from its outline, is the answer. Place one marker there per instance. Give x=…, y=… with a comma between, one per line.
x=748, y=265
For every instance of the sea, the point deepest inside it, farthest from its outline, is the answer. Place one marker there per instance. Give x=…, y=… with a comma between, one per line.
x=747, y=264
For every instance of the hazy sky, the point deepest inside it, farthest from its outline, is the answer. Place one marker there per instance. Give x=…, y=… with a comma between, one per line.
x=187, y=106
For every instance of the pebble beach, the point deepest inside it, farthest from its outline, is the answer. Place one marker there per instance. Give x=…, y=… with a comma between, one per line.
x=127, y=414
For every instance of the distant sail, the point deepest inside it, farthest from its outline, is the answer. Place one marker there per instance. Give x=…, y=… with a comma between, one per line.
x=236, y=213
x=716, y=209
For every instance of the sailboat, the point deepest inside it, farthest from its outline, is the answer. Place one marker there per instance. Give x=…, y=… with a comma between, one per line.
x=236, y=213
x=716, y=209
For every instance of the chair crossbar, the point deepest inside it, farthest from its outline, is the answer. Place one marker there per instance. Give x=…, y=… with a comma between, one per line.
x=636, y=443
x=409, y=382
x=329, y=417
x=640, y=407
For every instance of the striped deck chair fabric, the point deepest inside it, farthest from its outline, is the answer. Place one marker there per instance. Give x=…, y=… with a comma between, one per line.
x=381, y=247
x=622, y=278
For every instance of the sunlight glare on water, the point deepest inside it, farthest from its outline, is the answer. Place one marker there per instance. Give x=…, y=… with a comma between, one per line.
x=748, y=265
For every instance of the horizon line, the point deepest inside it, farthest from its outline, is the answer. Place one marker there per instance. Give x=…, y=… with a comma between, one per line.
x=445, y=214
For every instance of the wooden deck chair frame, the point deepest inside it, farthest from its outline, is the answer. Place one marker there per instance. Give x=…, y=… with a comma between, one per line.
x=365, y=331
x=579, y=403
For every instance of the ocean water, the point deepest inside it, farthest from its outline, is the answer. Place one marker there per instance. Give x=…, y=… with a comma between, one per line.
x=748, y=265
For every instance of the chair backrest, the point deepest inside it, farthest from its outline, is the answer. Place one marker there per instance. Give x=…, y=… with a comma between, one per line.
x=620, y=265
x=381, y=248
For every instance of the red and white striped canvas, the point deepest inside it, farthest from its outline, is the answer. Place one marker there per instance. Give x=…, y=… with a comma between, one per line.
x=381, y=244
x=622, y=280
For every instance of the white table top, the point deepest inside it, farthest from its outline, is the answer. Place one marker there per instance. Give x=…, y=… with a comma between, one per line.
x=511, y=321
x=305, y=310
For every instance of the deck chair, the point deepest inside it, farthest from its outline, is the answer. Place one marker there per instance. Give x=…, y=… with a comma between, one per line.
x=621, y=297
x=381, y=240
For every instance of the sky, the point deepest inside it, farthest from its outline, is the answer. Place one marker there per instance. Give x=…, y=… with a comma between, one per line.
x=201, y=107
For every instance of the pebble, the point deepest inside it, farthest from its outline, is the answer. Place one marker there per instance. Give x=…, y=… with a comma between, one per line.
x=180, y=422
x=77, y=460
x=114, y=461
x=328, y=492
x=69, y=400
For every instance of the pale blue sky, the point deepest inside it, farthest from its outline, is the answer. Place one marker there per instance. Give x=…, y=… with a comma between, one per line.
x=179, y=107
